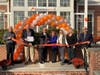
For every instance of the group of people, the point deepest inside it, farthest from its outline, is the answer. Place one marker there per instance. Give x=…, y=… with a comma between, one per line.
x=28, y=38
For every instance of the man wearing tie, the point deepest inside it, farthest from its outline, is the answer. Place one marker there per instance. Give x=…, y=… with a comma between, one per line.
x=28, y=38
x=85, y=36
x=43, y=50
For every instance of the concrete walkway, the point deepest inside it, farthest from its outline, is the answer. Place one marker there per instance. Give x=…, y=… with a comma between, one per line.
x=43, y=67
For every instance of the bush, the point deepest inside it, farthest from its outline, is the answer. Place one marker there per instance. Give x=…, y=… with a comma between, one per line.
x=2, y=31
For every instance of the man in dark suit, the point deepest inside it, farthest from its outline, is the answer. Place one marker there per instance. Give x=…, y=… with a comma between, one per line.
x=28, y=38
x=85, y=36
x=10, y=44
x=71, y=39
x=43, y=50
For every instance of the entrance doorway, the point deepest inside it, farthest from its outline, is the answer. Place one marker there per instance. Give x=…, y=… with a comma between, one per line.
x=79, y=22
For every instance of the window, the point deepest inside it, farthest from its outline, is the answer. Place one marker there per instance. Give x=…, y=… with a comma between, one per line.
x=52, y=3
x=65, y=15
x=1, y=21
x=39, y=12
x=52, y=12
x=18, y=15
x=30, y=13
x=31, y=2
x=42, y=3
x=18, y=2
x=64, y=3
x=79, y=22
x=90, y=23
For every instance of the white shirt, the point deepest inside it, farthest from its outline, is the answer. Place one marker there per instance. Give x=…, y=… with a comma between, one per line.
x=59, y=40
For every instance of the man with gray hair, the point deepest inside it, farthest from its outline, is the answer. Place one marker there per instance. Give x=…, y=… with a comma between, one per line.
x=10, y=44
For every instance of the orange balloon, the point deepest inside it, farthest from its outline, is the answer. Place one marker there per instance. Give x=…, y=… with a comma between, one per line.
x=49, y=16
x=38, y=23
x=58, y=18
x=53, y=24
x=41, y=21
x=59, y=26
x=67, y=28
x=45, y=18
x=63, y=24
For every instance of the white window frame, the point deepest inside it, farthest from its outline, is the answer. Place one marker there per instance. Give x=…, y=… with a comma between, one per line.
x=42, y=2
x=32, y=2
x=19, y=4
x=92, y=13
x=52, y=2
x=3, y=20
x=66, y=5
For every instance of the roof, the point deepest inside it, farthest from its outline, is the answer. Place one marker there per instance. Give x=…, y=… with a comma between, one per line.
x=94, y=2
x=90, y=2
x=3, y=1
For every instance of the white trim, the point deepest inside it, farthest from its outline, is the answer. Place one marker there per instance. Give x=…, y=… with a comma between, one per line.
x=85, y=12
x=25, y=8
x=8, y=15
x=79, y=13
x=90, y=4
x=3, y=3
x=92, y=13
x=72, y=13
x=12, y=15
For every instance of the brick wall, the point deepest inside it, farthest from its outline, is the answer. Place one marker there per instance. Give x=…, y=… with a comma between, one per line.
x=45, y=73
x=3, y=56
x=3, y=8
x=2, y=52
x=94, y=59
x=96, y=11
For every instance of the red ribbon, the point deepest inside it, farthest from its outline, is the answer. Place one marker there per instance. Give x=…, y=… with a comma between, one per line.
x=79, y=43
x=21, y=46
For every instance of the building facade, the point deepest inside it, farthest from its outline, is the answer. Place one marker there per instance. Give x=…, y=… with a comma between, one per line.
x=93, y=16
x=25, y=8
x=71, y=10
x=4, y=17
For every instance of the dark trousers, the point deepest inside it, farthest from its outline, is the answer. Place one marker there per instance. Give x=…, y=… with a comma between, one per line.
x=54, y=54
x=62, y=53
x=70, y=53
x=42, y=54
x=10, y=51
x=45, y=52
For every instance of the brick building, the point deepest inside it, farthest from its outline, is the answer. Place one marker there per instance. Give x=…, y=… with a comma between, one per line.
x=72, y=10
x=93, y=16
x=4, y=15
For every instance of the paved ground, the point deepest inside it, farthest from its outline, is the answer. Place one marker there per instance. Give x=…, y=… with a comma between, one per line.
x=43, y=67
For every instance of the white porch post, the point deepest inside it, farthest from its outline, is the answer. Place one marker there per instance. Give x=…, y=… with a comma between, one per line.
x=85, y=12
x=72, y=14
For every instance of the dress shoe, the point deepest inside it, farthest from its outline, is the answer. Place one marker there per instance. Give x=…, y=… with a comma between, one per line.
x=62, y=63
x=42, y=62
x=26, y=62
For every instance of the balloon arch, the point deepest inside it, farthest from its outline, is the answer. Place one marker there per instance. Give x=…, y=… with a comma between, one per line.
x=42, y=19
x=38, y=20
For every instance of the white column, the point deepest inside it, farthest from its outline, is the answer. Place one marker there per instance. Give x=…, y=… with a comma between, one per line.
x=26, y=8
x=58, y=5
x=72, y=13
x=85, y=12
x=8, y=15
x=12, y=14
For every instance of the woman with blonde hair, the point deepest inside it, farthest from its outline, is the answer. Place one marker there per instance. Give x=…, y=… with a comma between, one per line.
x=62, y=40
